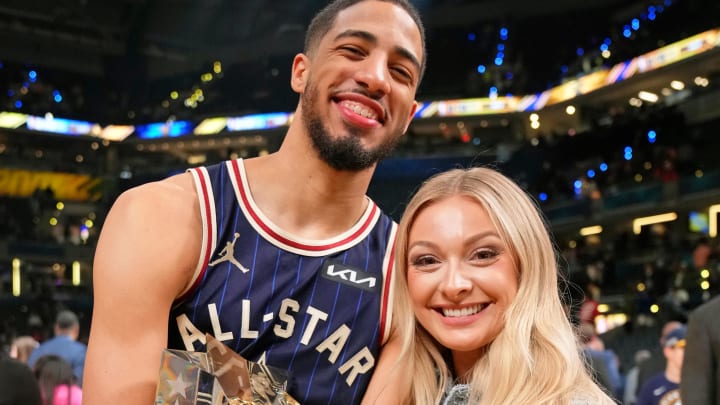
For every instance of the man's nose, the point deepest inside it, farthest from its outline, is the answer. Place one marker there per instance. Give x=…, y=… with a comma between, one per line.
x=374, y=75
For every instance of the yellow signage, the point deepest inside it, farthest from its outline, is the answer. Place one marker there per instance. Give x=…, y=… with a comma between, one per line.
x=65, y=186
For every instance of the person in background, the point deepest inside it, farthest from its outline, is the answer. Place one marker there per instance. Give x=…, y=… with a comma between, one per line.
x=604, y=362
x=700, y=382
x=64, y=344
x=631, y=378
x=282, y=257
x=664, y=388
x=477, y=309
x=657, y=362
x=18, y=385
x=58, y=384
x=21, y=348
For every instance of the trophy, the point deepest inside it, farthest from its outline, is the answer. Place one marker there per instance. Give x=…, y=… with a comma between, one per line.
x=219, y=377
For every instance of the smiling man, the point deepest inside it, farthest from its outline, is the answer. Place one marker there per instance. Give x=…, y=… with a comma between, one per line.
x=283, y=257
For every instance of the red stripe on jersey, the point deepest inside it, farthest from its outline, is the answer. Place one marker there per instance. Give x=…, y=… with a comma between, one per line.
x=386, y=294
x=289, y=242
x=208, y=248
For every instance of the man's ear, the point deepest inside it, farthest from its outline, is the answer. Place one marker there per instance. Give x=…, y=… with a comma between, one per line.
x=410, y=117
x=300, y=69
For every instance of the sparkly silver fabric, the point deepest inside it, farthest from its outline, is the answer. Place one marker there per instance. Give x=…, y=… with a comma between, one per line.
x=457, y=395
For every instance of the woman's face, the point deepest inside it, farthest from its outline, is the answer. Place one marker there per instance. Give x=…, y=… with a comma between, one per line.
x=461, y=276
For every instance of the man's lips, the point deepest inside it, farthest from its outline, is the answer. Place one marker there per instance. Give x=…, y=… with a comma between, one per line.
x=361, y=105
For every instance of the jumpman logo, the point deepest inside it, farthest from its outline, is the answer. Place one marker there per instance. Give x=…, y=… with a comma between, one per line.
x=226, y=255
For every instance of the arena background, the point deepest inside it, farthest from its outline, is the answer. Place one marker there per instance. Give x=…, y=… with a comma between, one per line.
x=605, y=111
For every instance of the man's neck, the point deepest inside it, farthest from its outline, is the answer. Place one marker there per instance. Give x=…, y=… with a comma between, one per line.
x=306, y=197
x=672, y=374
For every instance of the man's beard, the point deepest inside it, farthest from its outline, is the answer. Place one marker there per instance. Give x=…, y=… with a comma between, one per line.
x=344, y=151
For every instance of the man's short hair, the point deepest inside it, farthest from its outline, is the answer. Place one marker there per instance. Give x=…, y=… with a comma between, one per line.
x=66, y=320
x=325, y=18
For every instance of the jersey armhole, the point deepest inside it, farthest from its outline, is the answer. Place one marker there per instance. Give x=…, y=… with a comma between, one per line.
x=206, y=200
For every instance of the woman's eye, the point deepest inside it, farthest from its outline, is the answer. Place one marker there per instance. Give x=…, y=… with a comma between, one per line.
x=423, y=261
x=485, y=254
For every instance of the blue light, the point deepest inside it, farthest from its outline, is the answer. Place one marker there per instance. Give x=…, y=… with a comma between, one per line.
x=476, y=141
x=628, y=153
x=481, y=69
x=668, y=2
x=652, y=136
x=543, y=196
x=607, y=41
x=10, y=93
x=58, y=98
x=498, y=61
x=32, y=75
x=18, y=104
x=591, y=173
x=564, y=69
x=500, y=55
x=627, y=33
x=503, y=33
x=651, y=16
x=493, y=90
x=508, y=76
x=471, y=36
x=501, y=47
x=603, y=47
x=660, y=9
x=580, y=52
x=635, y=24
x=577, y=184
x=603, y=167
x=651, y=9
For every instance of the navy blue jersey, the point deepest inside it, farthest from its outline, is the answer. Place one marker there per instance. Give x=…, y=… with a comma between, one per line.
x=319, y=309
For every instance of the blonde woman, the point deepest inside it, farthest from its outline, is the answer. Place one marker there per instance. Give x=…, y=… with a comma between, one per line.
x=478, y=317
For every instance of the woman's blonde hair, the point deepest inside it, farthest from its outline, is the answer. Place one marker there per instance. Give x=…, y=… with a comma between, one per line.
x=536, y=357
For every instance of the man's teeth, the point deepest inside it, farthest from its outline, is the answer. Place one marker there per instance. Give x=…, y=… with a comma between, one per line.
x=360, y=109
x=464, y=311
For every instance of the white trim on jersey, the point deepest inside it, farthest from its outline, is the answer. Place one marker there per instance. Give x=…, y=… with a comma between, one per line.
x=284, y=240
x=206, y=199
x=388, y=274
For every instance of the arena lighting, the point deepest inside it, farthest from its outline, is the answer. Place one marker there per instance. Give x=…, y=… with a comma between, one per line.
x=638, y=223
x=603, y=308
x=713, y=223
x=648, y=96
x=76, y=273
x=16, y=287
x=677, y=85
x=591, y=230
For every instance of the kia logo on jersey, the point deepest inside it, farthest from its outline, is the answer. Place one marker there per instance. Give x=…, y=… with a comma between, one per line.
x=352, y=276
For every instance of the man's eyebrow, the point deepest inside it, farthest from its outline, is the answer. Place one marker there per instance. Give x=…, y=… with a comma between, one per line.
x=370, y=37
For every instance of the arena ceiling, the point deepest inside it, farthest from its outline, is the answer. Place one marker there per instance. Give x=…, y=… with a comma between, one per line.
x=139, y=50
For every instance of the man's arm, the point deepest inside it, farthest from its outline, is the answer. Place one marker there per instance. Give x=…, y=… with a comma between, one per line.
x=696, y=380
x=147, y=252
x=389, y=383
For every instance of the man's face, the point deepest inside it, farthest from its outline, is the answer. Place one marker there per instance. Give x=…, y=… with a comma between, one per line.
x=358, y=86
